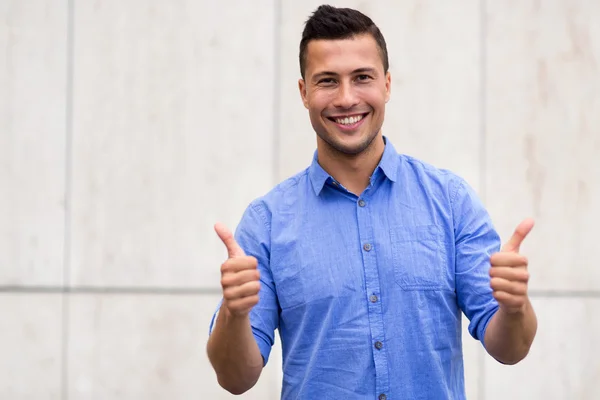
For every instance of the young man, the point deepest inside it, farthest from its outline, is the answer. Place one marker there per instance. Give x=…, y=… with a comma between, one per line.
x=365, y=260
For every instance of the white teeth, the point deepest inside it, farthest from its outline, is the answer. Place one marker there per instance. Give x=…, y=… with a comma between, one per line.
x=349, y=120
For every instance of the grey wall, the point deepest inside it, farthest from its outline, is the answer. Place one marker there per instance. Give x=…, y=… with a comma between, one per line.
x=127, y=128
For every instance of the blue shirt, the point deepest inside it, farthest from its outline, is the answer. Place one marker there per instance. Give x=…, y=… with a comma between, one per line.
x=367, y=291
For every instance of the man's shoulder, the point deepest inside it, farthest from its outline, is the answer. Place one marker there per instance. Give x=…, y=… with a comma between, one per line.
x=261, y=209
x=423, y=170
x=292, y=187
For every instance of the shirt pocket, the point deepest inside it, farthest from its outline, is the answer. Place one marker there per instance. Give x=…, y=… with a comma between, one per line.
x=417, y=256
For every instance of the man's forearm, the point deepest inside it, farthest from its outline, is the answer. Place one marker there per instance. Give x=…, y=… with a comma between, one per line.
x=508, y=337
x=234, y=354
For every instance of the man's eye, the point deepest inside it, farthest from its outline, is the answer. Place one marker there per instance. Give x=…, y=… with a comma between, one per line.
x=363, y=77
x=327, y=80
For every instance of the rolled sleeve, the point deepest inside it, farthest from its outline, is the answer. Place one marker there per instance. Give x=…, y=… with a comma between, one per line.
x=475, y=241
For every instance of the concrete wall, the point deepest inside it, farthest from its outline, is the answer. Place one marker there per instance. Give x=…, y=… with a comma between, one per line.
x=127, y=128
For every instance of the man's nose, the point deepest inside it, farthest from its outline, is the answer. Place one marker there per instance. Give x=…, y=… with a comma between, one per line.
x=346, y=96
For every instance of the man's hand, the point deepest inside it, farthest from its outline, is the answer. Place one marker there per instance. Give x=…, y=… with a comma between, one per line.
x=240, y=278
x=232, y=348
x=508, y=272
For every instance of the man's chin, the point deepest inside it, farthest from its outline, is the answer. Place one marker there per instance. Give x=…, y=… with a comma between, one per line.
x=349, y=145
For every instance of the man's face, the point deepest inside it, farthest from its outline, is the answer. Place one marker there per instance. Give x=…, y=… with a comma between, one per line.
x=345, y=90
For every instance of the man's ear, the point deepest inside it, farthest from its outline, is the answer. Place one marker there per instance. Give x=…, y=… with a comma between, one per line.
x=302, y=88
x=388, y=86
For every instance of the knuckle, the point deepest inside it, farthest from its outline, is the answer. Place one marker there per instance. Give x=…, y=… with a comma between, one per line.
x=255, y=287
x=227, y=280
x=227, y=266
x=517, y=290
x=523, y=291
x=519, y=303
x=229, y=293
x=250, y=288
x=252, y=261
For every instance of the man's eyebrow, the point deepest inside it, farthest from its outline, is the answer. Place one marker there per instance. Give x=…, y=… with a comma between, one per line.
x=363, y=70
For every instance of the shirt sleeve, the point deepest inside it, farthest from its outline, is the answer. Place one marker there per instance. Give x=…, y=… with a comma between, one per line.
x=253, y=235
x=475, y=241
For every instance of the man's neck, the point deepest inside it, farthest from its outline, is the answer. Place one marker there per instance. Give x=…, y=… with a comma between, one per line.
x=352, y=171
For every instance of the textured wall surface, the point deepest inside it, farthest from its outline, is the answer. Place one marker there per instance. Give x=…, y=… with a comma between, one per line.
x=128, y=128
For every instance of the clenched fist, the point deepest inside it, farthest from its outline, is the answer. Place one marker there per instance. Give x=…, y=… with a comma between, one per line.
x=240, y=278
x=508, y=272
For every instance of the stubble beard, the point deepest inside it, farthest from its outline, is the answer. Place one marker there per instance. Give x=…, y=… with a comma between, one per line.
x=353, y=150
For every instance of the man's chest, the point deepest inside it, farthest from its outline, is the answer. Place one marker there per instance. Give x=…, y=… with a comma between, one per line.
x=340, y=252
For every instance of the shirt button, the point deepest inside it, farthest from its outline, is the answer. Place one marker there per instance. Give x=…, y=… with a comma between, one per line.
x=373, y=298
x=362, y=203
x=367, y=247
x=382, y=396
x=378, y=345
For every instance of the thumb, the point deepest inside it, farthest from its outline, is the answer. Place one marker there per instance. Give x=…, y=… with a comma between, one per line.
x=233, y=249
x=520, y=233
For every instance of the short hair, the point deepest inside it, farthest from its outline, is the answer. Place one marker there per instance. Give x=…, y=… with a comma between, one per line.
x=332, y=23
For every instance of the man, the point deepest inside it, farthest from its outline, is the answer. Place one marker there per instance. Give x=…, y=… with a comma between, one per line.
x=365, y=260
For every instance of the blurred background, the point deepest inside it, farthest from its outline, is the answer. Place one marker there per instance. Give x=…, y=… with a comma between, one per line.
x=129, y=127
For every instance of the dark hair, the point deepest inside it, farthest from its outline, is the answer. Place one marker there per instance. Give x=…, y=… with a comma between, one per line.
x=332, y=23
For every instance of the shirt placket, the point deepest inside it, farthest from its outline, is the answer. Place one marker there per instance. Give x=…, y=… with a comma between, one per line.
x=373, y=296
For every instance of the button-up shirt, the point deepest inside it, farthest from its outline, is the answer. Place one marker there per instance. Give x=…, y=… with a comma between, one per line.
x=367, y=291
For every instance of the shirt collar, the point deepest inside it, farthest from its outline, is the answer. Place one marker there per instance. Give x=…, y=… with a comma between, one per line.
x=388, y=165
x=389, y=161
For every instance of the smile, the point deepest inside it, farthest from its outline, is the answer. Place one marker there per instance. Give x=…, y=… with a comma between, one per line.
x=349, y=120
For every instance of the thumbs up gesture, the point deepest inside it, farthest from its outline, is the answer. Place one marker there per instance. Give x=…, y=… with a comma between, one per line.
x=240, y=278
x=508, y=272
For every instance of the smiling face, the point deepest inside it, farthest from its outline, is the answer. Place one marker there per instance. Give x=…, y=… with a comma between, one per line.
x=345, y=90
